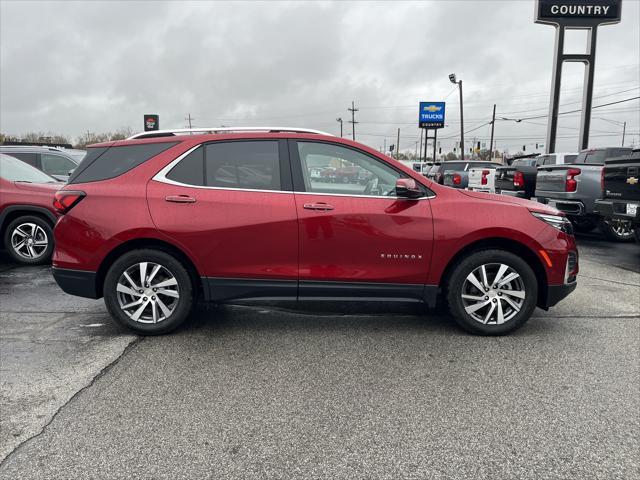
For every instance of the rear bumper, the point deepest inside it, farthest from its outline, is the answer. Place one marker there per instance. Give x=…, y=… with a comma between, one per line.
x=80, y=283
x=616, y=209
x=555, y=293
x=514, y=193
x=569, y=207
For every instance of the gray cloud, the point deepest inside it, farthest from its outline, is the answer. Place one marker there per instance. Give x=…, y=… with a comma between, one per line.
x=70, y=67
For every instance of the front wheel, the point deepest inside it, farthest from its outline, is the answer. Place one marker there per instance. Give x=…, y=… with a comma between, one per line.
x=492, y=292
x=29, y=240
x=148, y=291
x=617, y=230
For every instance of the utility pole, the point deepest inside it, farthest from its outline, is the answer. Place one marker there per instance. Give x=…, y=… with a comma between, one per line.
x=340, y=120
x=398, y=146
x=624, y=130
x=189, y=118
x=385, y=146
x=493, y=124
x=353, y=122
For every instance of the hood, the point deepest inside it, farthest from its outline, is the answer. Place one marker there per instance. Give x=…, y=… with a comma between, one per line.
x=39, y=187
x=528, y=204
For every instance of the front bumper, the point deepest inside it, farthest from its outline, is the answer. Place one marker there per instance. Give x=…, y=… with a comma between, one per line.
x=617, y=209
x=80, y=283
x=555, y=293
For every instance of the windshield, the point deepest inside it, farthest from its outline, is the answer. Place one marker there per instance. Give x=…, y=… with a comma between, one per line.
x=592, y=156
x=524, y=162
x=15, y=170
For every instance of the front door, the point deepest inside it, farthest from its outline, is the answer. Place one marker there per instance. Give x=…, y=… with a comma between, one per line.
x=356, y=237
x=229, y=204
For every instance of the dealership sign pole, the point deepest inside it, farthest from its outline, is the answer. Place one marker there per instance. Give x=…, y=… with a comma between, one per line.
x=574, y=15
x=431, y=116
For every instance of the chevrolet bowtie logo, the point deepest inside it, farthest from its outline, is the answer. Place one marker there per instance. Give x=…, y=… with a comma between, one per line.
x=632, y=180
x=432, y=108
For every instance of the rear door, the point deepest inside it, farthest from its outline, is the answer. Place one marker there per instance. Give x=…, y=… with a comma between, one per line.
x=357, y=239
x=230, y=205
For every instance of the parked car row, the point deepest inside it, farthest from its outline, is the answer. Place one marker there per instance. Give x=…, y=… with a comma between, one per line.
x=237, y=215
x=572, y=183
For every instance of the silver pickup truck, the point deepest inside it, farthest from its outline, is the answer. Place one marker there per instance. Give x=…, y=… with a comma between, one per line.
x=574, y=189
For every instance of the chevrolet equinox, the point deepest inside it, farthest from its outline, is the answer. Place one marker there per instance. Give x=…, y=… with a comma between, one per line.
x=163, y=219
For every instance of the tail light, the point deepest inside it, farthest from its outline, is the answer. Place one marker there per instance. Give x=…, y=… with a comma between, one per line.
x=483, y=180
x=518, y=180
x=457, y=179
x=571, y=185
x=65, y=200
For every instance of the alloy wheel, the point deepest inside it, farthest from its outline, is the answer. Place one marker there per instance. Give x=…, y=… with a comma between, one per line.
x=147, y=292
x=621, y=228
x=29, y=240
x=493, y=293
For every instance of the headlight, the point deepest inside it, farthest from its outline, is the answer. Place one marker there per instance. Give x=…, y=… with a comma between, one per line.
x=556, y=221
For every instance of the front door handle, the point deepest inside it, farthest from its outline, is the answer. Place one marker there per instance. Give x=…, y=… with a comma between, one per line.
x=318, y=206
x=180, y=199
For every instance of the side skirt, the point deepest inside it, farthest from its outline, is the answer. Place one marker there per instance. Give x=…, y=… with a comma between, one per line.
x=227, y=289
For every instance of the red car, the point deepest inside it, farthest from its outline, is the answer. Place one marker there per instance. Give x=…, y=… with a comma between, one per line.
x=27, y=216
x=155, y=222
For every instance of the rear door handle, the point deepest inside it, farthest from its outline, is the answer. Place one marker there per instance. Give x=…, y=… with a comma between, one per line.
x=318, y=206
x=180, y=199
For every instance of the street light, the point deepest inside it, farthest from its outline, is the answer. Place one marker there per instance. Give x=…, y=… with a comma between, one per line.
x=453, y=79
x=340, y=120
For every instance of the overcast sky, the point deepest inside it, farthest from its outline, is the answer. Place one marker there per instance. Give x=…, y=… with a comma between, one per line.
x=70, y=67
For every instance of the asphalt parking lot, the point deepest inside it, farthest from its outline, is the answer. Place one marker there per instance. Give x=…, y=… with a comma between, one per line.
x=323, y=391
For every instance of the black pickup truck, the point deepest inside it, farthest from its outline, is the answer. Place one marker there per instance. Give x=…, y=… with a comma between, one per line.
x=519, y=178
x=620, y=204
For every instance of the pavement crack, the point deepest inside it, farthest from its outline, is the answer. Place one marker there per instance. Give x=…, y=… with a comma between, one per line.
x=95, y=378
x=608, y=280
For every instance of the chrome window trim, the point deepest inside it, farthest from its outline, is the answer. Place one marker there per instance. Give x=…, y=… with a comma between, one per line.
x=161, y=177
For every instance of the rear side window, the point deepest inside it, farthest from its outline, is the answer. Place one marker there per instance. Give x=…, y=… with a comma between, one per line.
x=30, y=158
x=570, y=158
x=253, y=165
x=595, y=157
x=189, y=170
x=114, y=161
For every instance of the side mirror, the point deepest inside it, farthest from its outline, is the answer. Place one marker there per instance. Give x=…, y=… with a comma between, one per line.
x=408, y=188
x=71, y=171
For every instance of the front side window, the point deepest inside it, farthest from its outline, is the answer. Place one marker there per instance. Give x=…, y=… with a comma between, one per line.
x=56, y=164
x=329, y=168
x=252, y=165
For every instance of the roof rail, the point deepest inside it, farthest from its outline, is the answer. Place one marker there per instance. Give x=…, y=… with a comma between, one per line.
x=204, y=130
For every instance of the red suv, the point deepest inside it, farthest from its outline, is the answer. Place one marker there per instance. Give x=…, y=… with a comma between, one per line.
x=26, y=214
x=162, y=219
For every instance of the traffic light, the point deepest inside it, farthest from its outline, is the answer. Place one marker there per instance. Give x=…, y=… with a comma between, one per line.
x=478, y=147
x=524, y=148
x=391, y=147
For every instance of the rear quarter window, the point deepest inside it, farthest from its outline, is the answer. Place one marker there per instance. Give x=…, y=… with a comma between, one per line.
x=111, y=162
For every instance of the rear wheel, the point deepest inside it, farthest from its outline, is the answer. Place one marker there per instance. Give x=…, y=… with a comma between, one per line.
x=492, y=292
x=29, y=240
x=617, y=230
x=148, y=291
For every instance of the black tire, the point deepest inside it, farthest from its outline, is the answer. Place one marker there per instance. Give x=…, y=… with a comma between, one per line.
x=583, y=224
x=44, y=228
x=180, y=310
x=456, y=287
x=617, y=230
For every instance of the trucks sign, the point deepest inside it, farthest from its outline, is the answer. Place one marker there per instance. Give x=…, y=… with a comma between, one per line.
x=578, y=13
x=431, y=115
